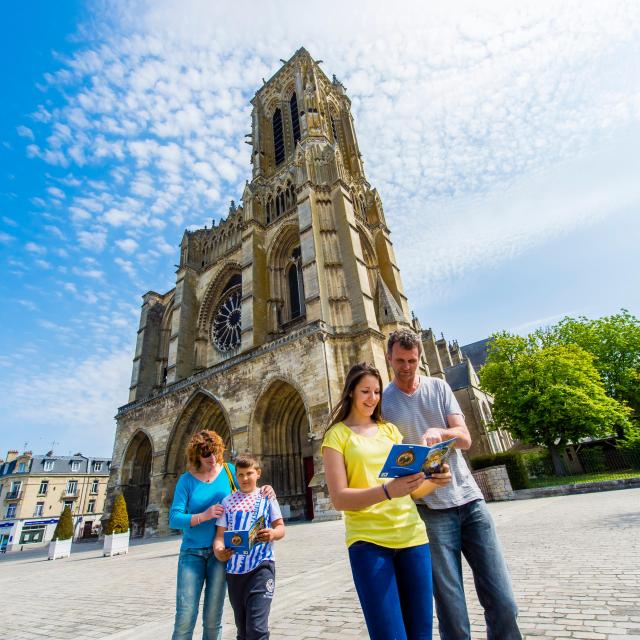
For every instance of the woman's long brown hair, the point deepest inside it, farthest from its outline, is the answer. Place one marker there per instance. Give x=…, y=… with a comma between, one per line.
x=343, y=408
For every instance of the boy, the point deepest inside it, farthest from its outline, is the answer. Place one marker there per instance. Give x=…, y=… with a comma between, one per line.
x=250, y=578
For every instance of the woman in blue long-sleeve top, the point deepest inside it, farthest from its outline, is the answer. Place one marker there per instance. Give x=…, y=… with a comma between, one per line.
x=196, y=506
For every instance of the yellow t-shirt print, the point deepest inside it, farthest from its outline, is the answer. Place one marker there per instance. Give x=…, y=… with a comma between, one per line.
x=391, y=523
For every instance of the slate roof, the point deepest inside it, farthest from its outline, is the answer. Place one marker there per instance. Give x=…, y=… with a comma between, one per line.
x=476, y=352
x=458, y=376
x=61, y=465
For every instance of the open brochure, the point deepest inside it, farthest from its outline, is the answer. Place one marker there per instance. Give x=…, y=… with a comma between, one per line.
x=243, y=541
x=405, y=459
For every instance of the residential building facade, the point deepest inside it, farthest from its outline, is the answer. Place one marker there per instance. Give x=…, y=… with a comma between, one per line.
x=34, y=490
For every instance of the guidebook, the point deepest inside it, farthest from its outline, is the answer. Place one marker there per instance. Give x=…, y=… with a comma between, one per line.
x=405, y=459
x=243, y=541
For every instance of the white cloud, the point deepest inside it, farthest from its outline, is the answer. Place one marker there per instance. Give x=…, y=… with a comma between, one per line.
x=128, y=245
x=56, y=193
x=96, y=274
x=126, y=266
x=5, y=238
x=32, y=247
x=25, y=132
x=93, y=240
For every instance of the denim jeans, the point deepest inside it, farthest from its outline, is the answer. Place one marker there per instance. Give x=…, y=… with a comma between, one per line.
x=469, y=530
x=394, y=588
x=198, y=567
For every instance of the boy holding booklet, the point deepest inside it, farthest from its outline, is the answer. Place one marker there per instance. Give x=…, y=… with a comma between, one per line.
x=250, y=573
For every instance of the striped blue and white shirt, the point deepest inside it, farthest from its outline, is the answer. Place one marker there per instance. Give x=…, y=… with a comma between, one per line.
x=241, y=510
x=429, y=406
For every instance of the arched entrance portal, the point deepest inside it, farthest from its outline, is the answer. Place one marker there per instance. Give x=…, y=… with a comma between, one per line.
x=202, y=411
x=136, y=477
x=281, y=428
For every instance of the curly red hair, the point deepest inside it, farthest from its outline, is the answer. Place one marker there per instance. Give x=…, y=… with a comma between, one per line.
x=201, y=443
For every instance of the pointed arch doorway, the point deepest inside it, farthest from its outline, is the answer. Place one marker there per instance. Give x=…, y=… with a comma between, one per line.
x=281, y=428
x=136, y=480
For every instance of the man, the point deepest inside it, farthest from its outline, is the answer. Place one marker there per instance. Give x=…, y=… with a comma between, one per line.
x=457, y=519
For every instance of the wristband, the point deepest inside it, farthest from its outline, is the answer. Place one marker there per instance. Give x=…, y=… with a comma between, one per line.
x=386, y=491
x=197, y=519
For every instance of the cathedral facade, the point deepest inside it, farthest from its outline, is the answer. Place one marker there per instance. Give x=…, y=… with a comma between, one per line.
x=270, y=309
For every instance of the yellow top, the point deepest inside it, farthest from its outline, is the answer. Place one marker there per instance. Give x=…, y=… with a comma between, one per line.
x=390, y=523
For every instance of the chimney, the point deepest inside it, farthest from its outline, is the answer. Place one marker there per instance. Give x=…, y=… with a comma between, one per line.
x=12, y=454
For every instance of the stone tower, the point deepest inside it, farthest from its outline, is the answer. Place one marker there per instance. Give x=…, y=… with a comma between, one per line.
x=270, y=309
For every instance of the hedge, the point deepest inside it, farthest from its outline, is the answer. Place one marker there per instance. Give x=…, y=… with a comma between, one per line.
x=119, y=519
x=64, y=528
x=512, y=460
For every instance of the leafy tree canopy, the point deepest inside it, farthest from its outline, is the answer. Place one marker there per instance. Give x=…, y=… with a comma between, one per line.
x=548, y=395
x=614, y=342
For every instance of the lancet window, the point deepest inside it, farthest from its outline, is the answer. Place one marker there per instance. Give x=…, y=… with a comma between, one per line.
x=295, y=284
x=278, y=137
x=295, y=118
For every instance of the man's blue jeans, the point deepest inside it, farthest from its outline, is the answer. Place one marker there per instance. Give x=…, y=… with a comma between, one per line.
x=394, y=587
x=198, y=567
x=469, y=530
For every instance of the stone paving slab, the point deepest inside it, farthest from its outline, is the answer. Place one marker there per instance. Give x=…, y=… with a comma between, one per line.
x=575, y=562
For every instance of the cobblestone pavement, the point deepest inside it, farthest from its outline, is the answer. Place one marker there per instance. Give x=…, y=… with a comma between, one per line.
x=575, y=562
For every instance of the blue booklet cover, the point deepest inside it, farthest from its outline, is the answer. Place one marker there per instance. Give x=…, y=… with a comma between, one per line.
x=243, y=541
x=405, y=459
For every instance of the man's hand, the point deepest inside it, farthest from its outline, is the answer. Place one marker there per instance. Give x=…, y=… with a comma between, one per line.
x=443, y=477
x=213, y=512
x=432, y=435
x=222, y=553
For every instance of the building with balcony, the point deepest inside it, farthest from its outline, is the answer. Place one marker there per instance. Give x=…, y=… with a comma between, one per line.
x=34, y=490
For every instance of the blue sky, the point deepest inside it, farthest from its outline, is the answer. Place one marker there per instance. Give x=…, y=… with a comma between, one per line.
x=503, y=141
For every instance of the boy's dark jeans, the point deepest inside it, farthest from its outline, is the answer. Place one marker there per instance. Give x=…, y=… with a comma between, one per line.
x=250, y=595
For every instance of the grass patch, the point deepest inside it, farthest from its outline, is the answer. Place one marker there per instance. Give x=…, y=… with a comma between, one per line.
x=552, y=481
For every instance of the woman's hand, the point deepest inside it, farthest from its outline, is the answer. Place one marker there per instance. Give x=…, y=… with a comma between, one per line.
x=443, y=477
x=268, y=492
x=213, y=512
x=399, y=487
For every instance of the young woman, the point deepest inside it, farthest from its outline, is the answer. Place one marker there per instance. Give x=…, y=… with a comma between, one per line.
x=387, y=540
x=195, y=509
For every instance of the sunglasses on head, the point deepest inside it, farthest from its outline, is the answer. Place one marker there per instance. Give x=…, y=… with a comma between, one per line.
x=205, y=451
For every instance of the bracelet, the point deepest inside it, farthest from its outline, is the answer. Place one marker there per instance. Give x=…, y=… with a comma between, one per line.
x=197, y=519
x=386, y=491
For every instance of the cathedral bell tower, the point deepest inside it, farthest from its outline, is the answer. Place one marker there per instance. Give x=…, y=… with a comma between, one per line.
x=315, y=239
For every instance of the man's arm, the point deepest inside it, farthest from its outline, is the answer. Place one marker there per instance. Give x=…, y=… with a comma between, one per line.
x=456, y=428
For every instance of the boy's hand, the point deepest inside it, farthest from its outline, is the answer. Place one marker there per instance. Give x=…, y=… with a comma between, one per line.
x=222, y=554
x=266, y=535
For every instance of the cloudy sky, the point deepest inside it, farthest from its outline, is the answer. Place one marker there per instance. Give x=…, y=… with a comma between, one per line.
x=504, y=142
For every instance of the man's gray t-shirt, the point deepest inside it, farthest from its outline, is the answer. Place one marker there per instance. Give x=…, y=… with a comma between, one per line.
x=428, y=406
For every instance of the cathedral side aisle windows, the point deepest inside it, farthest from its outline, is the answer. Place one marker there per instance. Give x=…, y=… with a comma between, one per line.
x=278, y=137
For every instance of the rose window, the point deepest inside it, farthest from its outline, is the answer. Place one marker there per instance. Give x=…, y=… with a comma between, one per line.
x=225, y=327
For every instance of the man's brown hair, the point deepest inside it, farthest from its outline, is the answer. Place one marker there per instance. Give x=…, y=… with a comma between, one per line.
x=406, y=338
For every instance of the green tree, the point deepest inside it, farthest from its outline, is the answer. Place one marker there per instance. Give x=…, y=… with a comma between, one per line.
x=614, y=342
x=119, y=519
x=64, y=528
x=548, y=395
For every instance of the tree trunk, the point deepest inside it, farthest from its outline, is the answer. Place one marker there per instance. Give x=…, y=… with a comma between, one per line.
x=556, y=459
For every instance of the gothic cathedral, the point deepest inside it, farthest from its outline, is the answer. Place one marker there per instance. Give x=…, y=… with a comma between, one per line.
x=270, y=309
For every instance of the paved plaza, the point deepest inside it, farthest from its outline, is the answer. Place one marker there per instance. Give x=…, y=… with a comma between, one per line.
x=575, y=562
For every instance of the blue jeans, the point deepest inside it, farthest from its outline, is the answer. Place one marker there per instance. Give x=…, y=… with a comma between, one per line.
x=469, y=530
x=198, y=567
x=394, y=588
